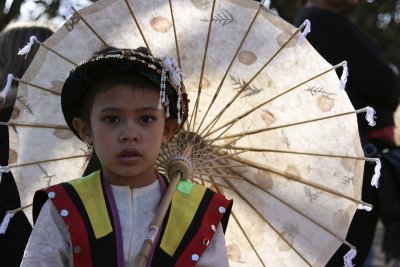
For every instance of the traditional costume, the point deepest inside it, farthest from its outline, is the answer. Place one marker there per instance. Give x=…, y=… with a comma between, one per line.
x=105, y=225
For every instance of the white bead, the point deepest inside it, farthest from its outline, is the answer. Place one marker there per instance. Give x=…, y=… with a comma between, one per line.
x=51, y=194
x=195, y=257
x=64, y=213
x=222, y=209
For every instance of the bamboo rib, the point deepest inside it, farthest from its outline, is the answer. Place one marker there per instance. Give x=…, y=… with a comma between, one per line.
x=267, y=222
x=240, y=135
x=217, y=175
x=210, y=142
x=271, y=99
x=137, y=24
x=214, y=183
x=175, y=36
x=34, y=125
x=215, y=120
x=228, y=69
x=295, y=209
x=248, y=238
x=196, y=105
x=297, y=179
x=91, y=28
x=21, y=208
x=252, y=149
x=45, y=161
x=39, y=87
x=222, y=167
x=227, y=156
x=58, y=54
x=241, y=228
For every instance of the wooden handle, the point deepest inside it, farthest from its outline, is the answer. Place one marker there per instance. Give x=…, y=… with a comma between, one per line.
x=142, y=257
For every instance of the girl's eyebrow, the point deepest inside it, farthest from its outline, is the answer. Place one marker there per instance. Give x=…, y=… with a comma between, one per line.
x=141, y=109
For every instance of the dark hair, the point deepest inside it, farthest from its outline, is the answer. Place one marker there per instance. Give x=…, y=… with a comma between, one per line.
x=103, y=85
x=111, y=67
x=120, y=65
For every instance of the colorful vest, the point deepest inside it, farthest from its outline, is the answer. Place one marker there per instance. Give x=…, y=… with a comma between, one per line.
x=88, y=209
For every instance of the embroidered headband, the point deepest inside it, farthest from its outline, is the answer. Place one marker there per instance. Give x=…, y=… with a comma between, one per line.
x=165, y=73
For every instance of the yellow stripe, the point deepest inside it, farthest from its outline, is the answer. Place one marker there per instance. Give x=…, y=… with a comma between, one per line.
x=91, y=193
x=183, y=209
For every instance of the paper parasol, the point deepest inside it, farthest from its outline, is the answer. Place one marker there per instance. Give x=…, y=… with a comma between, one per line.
x=269, y=124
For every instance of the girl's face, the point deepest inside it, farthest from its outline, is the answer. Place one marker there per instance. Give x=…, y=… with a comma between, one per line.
x=127, y=130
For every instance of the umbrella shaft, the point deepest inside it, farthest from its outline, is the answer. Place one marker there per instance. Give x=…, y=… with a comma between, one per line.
x=142, y=257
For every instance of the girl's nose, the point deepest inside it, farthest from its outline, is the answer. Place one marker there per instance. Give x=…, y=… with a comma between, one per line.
x=130, y=134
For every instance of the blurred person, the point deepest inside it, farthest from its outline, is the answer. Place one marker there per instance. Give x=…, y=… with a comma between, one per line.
x=371, y=82
x=12, y=38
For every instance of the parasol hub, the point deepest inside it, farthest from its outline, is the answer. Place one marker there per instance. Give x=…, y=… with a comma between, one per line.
x=180, y=164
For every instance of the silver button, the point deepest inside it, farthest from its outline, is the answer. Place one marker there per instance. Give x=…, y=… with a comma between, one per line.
x=51, y=194
x=195, y=257
x=222, y=209
x=64, y=213
x=77, y=249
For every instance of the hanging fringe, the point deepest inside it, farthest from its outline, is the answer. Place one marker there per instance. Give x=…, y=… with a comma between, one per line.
x=68, y=9
x=377, y=174
x=6, y=221
x=170, y=67
x=4, y=169
x=343, y=78
x=263, y=3
x=369, y=116
x=348, y=258
x=363, y=206
x=27, y=48
x=6, y=89
x=304, y=33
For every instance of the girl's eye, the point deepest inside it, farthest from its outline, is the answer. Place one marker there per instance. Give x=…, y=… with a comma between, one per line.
x=111, y=119
x=146, y=119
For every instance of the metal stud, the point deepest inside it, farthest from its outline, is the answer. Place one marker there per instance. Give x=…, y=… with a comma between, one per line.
x=195, y=257
x=77, y=249
x=64, y=213
x=222, y=209
x=51, y=194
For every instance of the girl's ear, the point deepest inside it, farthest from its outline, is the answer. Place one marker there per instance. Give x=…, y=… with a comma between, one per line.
x=83, y=130
x=170, y=128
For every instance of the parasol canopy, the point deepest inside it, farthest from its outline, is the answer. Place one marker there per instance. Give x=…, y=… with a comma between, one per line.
x=269, y=125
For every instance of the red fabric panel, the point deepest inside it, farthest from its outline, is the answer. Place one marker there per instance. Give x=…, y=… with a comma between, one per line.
x=205, y=234
x=75, y=225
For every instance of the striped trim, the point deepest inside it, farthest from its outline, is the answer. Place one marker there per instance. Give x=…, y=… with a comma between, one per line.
x=90, y=191
x=218, y=208
x=82, y=255
x=182, y=213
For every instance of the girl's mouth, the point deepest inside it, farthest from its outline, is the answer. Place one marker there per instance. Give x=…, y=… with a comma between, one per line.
x=129, y=152
x=129, y=156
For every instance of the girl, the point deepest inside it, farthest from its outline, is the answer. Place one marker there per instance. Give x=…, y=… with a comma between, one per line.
x=125, y=104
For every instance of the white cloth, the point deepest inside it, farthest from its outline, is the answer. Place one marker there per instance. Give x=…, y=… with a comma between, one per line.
x=50, y=242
